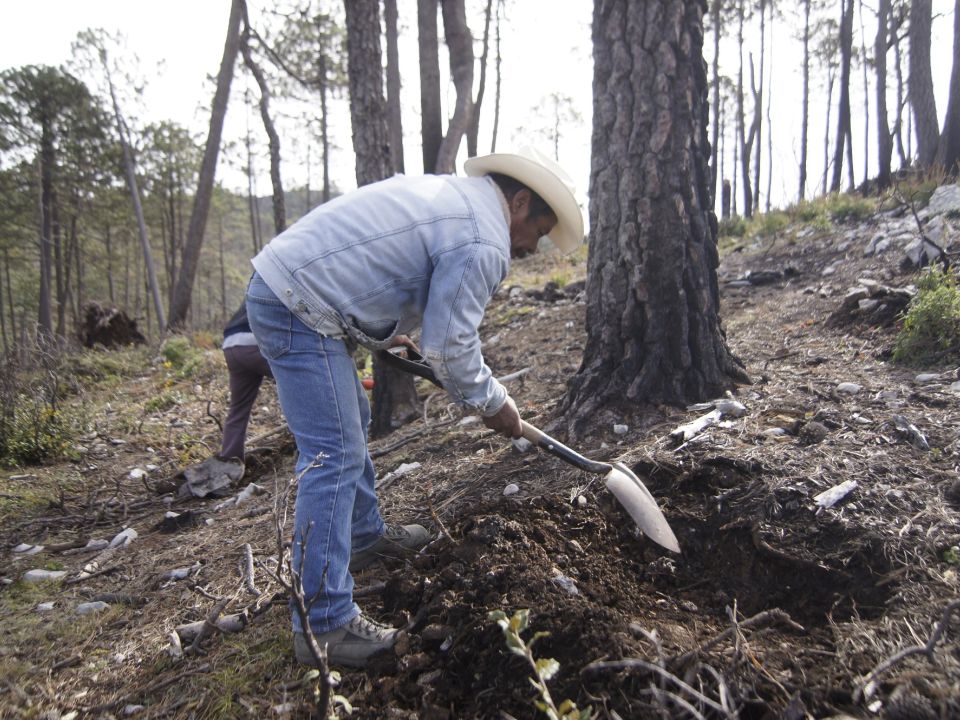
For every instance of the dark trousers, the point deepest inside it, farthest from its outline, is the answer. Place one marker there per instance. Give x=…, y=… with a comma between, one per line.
x=247, y=369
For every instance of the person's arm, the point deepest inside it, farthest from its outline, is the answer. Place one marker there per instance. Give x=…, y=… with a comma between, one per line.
x=462, y=283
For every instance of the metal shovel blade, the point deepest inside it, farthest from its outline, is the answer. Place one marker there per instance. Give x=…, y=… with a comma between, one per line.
x=641, y=506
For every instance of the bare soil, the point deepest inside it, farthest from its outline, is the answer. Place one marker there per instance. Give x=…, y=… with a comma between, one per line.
x=776, y=607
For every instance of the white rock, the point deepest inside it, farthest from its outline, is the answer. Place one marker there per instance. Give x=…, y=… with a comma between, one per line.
x=511, y=489
x=775, y=432
x=867, y=304
x=45, y=607
x=491, y=341
x=124, y=538
x=944, y=199
x=569, y=585
x=923, y=378
x=620, y=429
x=849, y=388
x=98, y=544
x=39, y=575
x=89, y=608
x=26, y=549
x=129, y=710
x=469, y=420
x=829, y=498
x=150, y=467
x=955, y=387
x=138, y=474
x=731, y=407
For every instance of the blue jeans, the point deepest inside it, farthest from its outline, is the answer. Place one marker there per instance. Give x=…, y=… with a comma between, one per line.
x=327, y=411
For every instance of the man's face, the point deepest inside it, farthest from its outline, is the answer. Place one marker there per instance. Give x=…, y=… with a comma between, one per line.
x=525, y=232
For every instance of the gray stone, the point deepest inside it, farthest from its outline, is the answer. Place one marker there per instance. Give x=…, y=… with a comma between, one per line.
x=945, y=198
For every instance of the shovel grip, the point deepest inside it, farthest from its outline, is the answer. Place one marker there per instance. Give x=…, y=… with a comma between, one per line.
x=555, y=447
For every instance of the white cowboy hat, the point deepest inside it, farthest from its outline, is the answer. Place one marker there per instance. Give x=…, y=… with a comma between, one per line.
x=542, y=175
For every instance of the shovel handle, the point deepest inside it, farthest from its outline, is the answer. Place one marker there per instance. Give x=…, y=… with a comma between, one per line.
x=553, y=446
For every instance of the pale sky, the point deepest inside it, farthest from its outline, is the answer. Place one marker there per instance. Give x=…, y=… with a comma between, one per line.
x=545, y=50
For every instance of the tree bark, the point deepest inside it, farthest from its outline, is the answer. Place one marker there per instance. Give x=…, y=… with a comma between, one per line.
x=653, y=328
x=394, y=115
x=742, y=120
x=714, y=141
x=920, y=82
x=47, y=160
x=431, y=123
x=948, y=151
x=843, y=105
x=394, y=392
x=496, y=98
x=884, y=138
x=460, y=49
x=208, y=170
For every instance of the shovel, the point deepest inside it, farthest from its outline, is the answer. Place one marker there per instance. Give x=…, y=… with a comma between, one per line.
x=618, y=478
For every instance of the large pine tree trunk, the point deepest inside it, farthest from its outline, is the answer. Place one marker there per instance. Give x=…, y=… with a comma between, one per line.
x=47, y=161
x=920, y=82
x=208, y=171
x=394, y=392
x=653, y=329
x=948, y=151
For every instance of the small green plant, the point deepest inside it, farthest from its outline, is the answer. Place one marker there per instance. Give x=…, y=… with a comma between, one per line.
x=181, y=356
x=931, y=326
x=543, y=669
x=164, y=401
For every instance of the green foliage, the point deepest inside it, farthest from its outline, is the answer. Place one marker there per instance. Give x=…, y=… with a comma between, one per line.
x=34, y=425
x=931, y=326
x=849, y=208
x=181, y=356
x=163, y=401
x=733, y=226
x=543, y=669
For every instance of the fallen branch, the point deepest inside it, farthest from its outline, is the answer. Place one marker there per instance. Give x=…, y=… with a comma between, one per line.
x=869, y=685
x=248, y=570
x=760, y=620
x=214, y=417
x=208, y=626
x=233, y=623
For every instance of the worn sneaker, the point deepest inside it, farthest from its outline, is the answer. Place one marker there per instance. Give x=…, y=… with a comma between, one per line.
x=395, y=541
x=351, y=645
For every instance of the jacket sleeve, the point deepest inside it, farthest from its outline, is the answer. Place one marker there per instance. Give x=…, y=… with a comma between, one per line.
x=461, y=285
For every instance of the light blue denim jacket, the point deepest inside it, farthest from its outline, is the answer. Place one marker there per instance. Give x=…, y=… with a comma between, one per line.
x=396, y=255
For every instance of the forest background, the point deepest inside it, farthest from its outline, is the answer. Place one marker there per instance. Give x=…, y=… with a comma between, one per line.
x=538, y=61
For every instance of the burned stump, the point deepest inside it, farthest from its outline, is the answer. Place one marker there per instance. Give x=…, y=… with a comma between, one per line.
x=108, y=326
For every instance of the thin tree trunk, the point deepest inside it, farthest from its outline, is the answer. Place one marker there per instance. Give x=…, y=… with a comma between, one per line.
x=805, y=104
x=758, y=105
x=13, y=315
x=223, y=269
x=324, y=124
x=831, y=79
x=111, y=292
x=46, y=161
x=843, y=105
x=431, y=122
x=394, y=115
x=901, y=102
x=884, y=140
x=208, y=169
x=3, y=319
x=474, y=131
x=252, y=204
x=496, y=99
x=58, y=269
x=460, y=47
x=130, y=174
x=742, y=121
x=279, y=210
x=769, y=120
x=866, y=95
x=921, y=82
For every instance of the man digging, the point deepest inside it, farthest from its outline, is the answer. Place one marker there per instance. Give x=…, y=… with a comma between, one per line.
x=370, y=267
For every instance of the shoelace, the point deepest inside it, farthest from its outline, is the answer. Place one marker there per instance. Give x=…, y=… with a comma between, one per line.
x=397, y=533
x=367, y=628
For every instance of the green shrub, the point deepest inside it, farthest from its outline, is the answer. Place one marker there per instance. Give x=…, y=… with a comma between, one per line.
x=733, y=226
x=181, y=356
x=849, y=208
x=768, y=224
x=34, y=424
x=931, y=325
